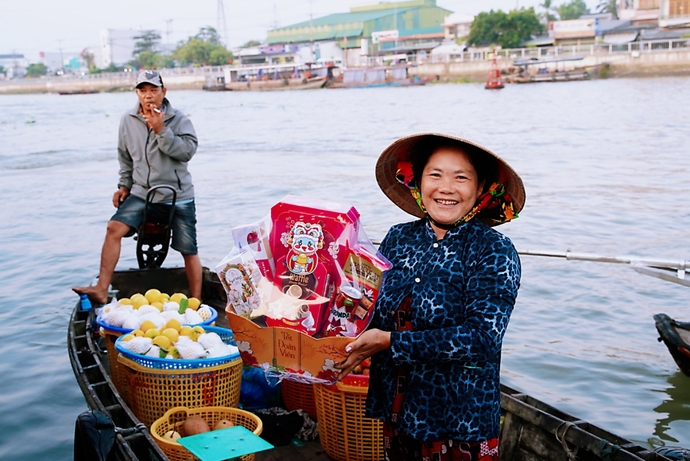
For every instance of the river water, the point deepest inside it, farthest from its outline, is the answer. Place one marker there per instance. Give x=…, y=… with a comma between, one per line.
x=605, y=166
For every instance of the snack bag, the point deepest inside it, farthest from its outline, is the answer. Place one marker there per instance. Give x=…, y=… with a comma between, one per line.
x=360, y=270
x=244, y=283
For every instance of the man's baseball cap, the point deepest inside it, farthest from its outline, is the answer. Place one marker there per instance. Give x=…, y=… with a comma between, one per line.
x=152, y=77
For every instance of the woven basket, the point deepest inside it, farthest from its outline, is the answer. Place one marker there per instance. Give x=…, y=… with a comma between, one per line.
x=345, y=433
x=173, y=419
x=298, y=396
x=153, y=391
x=117, y=372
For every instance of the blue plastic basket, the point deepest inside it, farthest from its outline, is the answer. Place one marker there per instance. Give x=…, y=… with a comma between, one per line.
x=214, y=317
x=181, y=364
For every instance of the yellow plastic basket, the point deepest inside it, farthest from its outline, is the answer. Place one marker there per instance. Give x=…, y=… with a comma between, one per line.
x=117, y=372
x=345, y=433
x=173, y=419
x=153, y=391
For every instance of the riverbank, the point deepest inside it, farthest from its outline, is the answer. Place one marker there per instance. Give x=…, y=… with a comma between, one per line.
x=635, y=64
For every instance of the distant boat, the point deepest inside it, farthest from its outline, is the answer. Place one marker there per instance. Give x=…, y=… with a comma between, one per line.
x=274, y=77
x=370, y=77
x=552, y=70
x=78, y=92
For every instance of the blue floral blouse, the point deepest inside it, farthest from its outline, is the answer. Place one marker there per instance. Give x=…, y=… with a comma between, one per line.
x=462, y=289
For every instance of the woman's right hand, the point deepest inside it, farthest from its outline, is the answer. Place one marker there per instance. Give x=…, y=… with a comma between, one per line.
x=367, y=344
x=119, y=196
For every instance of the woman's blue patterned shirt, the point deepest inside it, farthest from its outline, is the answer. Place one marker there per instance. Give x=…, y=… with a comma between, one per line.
x=462, y=289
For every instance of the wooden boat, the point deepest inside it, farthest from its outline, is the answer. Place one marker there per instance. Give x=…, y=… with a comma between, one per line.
x=551, y=70
x=275, y=77
x=371, y=77
x=676, y=336
x=531, y=430
x=68, y=93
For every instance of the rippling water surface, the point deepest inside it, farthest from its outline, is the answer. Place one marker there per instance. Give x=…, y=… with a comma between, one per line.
x=605, y=165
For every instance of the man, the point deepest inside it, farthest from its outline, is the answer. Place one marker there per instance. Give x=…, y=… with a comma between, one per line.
x=154, y=145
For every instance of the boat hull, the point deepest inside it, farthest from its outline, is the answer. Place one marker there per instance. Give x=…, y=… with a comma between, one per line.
x=415, y=81
x=271, y=85
x=676, y=336
x=550, y=77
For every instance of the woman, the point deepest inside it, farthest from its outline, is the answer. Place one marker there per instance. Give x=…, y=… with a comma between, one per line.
x=436, y=338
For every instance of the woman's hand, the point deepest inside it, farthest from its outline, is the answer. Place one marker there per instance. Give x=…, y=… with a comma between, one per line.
x=367, y=344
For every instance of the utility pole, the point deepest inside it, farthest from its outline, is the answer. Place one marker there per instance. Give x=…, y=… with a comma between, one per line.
x=62, y=60
x=395, y=26
x=168, y=29
x=221, y=25
x=276, y=23
x=311, y=30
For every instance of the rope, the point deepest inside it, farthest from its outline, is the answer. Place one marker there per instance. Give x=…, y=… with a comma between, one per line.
x=606, y=449
x=565, y=425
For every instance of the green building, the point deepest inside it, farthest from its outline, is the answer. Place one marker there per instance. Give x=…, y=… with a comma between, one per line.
x=388, y=27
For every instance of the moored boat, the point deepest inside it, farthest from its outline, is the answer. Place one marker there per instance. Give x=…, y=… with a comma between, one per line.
x=274, y=77
x=371, y=77
x=549, y=70
x=532, y=430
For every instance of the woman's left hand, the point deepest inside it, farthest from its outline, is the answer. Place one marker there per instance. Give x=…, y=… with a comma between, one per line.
x=367, y=344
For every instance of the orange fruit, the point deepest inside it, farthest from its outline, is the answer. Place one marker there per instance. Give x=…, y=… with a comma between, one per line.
x=153, y=295
x=147, y=325
x=171, y=334
x=162, y=341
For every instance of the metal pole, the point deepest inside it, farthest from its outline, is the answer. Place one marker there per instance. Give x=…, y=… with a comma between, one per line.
x=395, y=26
x=311, y=30
x=632, y=260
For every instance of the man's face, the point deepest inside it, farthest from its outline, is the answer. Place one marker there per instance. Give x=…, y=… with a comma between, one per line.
x=150, y=96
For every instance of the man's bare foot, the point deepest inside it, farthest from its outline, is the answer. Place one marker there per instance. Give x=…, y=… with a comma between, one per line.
x=96, y=295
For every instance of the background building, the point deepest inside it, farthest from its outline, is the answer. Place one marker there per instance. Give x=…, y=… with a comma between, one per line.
x=639, y=11
x=382, y=28
x=67, y=61
x=674, y=13
x=14, y=64
x=117, y=46
x=457, y=25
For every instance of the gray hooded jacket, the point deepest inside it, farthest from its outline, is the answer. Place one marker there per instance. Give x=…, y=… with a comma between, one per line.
x=148, y=159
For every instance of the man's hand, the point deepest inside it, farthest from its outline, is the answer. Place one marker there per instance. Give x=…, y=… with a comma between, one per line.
x=367, y=344
x=119, y=196
x=155, y=118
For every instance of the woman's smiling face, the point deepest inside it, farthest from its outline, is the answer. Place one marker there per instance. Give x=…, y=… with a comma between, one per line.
x=449, y=186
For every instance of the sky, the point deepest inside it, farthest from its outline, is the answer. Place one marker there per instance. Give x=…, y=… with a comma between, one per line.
x=31, y=26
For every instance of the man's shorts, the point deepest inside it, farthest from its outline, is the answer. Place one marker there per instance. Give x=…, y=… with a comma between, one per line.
x=131, y=212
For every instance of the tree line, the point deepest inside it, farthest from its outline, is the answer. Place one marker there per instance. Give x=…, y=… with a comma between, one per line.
x=203, y=49
x=512, y=29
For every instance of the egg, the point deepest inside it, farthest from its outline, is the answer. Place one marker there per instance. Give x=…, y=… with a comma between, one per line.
x=222, y=424
x=195, y=425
